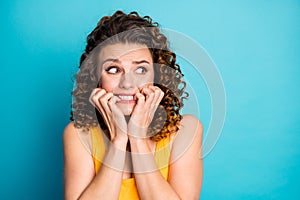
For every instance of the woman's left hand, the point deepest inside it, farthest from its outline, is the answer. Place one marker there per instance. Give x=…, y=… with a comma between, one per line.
x=148, y=100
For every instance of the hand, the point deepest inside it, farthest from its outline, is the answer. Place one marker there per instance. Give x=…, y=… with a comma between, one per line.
x=105, y=102
x=148, y=100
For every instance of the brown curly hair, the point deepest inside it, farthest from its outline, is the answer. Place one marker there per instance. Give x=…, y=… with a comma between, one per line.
x=130, y=28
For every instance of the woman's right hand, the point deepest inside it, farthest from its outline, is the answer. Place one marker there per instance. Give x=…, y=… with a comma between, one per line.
x=105, y=102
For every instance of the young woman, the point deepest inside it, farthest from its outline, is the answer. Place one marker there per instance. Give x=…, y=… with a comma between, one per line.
x=127, y=139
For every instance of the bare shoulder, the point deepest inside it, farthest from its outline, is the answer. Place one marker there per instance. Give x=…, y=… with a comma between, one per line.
x=190, y=127
x=70, y=138
x=69, y=132
x=188, y=137
x=73, y=135
x=191, y=122
x=78, y=163
x=186, y=154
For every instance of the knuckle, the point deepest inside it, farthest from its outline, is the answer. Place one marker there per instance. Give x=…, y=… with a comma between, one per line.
x=94, y=98
x=156, y=87
x=94, y=91
x=102, y=100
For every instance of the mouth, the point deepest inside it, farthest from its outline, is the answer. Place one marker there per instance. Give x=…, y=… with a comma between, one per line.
x=126, y=98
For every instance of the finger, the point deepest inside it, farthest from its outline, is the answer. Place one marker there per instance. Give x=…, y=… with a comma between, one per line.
x=106, y=111
x=98, y=98
x=117, y=115
x=103, y=103
x=146, y=91
x=104, y=99
x=116, y=112
x=149, y=96
x=95, y=95
x=140, y=99
x=159, y=94
x=113, y=107
x=91, y=96
x=155, y=96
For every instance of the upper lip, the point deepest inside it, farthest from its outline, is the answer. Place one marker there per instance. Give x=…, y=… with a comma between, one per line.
x=123, y=95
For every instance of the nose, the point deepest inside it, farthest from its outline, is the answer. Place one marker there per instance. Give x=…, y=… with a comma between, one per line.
x=127, y=81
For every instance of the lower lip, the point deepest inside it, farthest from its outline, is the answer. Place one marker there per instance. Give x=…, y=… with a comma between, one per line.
x=127, y=101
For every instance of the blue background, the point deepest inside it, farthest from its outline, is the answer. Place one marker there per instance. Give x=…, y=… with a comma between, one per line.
x=255, y=45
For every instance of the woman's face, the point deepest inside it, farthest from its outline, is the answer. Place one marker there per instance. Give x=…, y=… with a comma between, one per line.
x=125, y=69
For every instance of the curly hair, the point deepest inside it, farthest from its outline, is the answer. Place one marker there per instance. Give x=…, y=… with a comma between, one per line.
x=130, y=28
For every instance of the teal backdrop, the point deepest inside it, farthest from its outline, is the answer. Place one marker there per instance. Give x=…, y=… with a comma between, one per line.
x=255, y=45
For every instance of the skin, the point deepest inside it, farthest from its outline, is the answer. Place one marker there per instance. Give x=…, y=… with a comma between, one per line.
x=127, y=69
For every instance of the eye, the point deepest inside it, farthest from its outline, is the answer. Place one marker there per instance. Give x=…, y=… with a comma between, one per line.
x=112, y=70
x=141, y=70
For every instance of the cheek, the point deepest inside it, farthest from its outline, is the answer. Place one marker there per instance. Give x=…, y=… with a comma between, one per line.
x=146, y=80
x=109, y=84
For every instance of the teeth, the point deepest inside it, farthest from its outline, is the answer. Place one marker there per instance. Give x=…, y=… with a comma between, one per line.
x=126, y=98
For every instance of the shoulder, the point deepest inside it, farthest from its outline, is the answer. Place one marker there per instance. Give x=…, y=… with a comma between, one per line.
x=186, y=154
x=73, y=135
x=70, y=133
x=191, y=128
x=78, y=165
x=190, y=125
x=189, y=136
x=69, y=130
x=190, y=121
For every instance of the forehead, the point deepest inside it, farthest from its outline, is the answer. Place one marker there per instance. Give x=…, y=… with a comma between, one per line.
x=125, y=51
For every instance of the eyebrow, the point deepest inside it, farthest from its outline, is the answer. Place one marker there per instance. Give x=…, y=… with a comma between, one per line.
x=140, y=61
x=118, y=61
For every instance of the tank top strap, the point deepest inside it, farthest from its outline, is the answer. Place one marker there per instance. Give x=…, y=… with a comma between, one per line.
x=98, y=147
x=162, y=156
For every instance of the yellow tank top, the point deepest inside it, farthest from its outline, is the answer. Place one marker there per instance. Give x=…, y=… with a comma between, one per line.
x=128, y=187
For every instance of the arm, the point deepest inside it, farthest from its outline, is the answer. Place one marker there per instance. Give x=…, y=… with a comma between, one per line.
x=79, y=177
x=186, y=165
x=186, y=169
x=150, y=183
